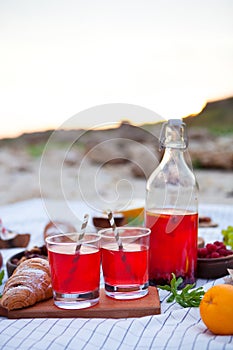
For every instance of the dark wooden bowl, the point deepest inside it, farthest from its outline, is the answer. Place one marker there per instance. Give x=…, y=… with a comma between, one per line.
x=215, y=267
x=10, y=266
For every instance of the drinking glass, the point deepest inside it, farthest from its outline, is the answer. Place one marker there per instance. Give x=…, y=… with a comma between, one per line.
x=125, y=261
x=75, y=269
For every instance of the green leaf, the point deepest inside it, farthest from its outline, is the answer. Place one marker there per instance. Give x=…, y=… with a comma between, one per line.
x=171, y=298
x=166, y=287
x=178, y=282
x=187, y=297
x=1, y=279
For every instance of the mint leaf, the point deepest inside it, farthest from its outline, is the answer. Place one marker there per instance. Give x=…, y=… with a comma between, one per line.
x=186, y=297
x=1, y=279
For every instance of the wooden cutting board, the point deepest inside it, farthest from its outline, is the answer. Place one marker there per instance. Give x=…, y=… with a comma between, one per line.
x=106, y=308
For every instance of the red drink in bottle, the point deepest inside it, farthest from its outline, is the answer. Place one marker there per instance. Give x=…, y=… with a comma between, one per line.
x=173, y=245
x=172, y=210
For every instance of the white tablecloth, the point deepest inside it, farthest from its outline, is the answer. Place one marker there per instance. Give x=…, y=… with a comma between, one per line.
x=174, y=328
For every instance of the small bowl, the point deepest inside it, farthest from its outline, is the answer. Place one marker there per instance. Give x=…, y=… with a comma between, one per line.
x=102, y=221
x=11, y=265
x=215, y=267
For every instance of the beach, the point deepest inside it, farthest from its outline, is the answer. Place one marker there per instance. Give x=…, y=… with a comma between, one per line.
x=24, y=177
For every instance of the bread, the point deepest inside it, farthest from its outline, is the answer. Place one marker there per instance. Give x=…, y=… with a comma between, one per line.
x=29, y=284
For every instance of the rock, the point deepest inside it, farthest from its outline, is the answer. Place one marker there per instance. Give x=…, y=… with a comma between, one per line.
x=15, y=160
x=109, y=151
x=214, y=153
x=73, y=158
x=144, y=159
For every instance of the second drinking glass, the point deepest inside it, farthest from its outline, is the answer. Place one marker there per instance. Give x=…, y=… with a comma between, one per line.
x=125, y=266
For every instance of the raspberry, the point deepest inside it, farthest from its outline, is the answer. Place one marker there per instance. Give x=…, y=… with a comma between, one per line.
x=229, y=252
x=211, y=247
x=219, y=244
x=222, y=251
x=215, y=255
x=214, y=250
x=202, y=252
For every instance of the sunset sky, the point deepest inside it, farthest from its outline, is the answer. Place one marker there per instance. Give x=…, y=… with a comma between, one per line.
x=60, y=57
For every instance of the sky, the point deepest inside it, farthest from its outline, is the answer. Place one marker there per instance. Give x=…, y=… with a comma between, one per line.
x=61, y=57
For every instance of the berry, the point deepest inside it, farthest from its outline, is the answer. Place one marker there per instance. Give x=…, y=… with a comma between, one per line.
x=211, y=247
x=215, y=255
x=214, y=250
x=223, y=252
x=202, y=252
x=219, y=244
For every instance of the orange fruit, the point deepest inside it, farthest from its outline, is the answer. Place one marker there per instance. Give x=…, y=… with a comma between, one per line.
x=135, y=215
x=216, y=309
x=134, y=212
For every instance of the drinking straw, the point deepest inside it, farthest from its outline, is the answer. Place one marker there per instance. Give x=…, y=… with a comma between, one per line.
x=82, y=233
x=114, y=228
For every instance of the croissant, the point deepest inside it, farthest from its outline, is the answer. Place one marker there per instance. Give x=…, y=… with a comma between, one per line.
x=30, y=283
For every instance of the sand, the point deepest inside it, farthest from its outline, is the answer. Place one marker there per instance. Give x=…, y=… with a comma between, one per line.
x=22, y=178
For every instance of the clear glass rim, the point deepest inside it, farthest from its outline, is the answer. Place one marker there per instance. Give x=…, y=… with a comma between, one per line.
x=145, y=231
x=95, y=238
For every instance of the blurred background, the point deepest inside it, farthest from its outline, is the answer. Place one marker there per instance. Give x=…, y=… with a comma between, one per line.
x=62, y=58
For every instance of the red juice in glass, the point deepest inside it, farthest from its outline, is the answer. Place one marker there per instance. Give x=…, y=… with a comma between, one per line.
x=74, y=273
x=75, y=269
x=173, y=245
x=128, y=267
x=125, y=259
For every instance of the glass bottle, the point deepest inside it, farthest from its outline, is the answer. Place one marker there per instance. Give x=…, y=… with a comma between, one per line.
x=171, y=210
